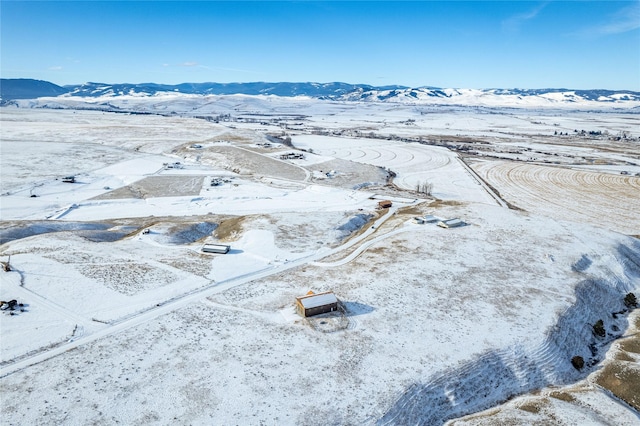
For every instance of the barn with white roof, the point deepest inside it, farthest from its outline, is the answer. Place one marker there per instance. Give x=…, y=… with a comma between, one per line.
x=315, y=304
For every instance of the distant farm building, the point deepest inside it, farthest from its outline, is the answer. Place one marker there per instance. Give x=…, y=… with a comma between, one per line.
x=384, y=204
x=316, y=304
x=451, y=223
x=292, y=156
x=216, y=248
x=426, y=219
x=176, y=165
x=69, y=179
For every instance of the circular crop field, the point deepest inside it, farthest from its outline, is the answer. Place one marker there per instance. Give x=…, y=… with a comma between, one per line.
x=604, y=199
x=413, y=164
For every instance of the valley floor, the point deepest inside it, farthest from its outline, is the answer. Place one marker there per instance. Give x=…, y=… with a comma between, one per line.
x=125, y=320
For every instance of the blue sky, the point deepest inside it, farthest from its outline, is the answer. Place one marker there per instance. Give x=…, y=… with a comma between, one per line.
x=463, y=44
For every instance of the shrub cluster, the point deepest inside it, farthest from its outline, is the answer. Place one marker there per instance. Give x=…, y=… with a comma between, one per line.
x=630, y=301
x=598, y=329
x=577, y=362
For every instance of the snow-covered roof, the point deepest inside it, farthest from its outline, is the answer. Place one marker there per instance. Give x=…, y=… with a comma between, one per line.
x=451, y=223
x=213, y=245
x=315, y=300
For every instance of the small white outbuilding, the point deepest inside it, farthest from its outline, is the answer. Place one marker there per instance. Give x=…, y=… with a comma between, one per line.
x=216, y=248
x=451, y=223
x=430, y=218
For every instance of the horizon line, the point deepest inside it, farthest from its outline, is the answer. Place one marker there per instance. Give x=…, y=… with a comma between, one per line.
x=398, y=86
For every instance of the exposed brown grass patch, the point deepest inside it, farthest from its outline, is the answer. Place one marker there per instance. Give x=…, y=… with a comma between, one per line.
x=623, y=380
x=412, y=210
x=562, y=396
x=443, y=203
x=623, y=356
x=621, y=376
x=631, y=345
x=376, y=250
x=230, y=229
x=531, y=407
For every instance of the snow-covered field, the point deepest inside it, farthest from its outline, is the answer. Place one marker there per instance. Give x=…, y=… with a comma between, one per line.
x=606, y=200
x=125, y=320
x=413, y=164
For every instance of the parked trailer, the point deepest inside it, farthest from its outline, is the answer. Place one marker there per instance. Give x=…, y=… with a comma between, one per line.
x=216, y=248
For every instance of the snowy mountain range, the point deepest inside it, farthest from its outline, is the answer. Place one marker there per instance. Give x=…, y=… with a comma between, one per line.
x=12, y=89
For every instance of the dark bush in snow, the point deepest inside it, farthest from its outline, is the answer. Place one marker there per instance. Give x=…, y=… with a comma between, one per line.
x=577, y=362
x=598, y=329
x=630, y=301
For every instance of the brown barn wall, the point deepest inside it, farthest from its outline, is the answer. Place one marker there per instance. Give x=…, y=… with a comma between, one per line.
x=321, y=310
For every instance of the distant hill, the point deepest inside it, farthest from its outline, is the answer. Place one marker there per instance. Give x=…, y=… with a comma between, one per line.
x=25, y=88
x=315, y=90
x=14, y=89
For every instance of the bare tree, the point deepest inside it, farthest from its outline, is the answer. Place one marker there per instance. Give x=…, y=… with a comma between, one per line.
x=424, y=187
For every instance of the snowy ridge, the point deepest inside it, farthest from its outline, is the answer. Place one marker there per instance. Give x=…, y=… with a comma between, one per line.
x=500, y=97
x=336, y=91
x=193, y=104
x=499, y=375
